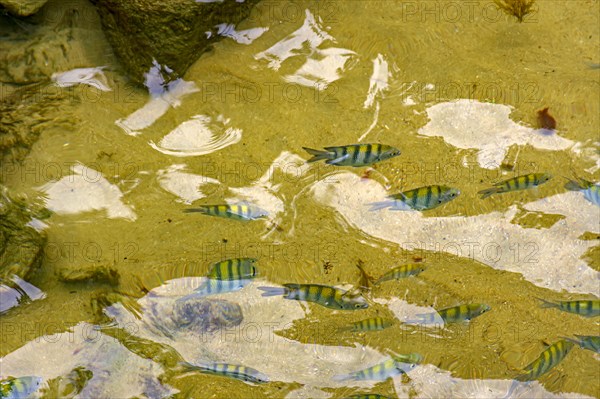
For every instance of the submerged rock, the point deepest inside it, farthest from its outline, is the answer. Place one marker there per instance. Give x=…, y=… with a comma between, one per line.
x=21, y=246
x=23, y=8
x=32, y=50
x=97, y=273
x=206, y=315
x=172, y=33
x=24, y=114
x=192, y=315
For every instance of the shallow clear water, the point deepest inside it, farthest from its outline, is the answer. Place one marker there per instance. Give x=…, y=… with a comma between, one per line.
x=455, y=86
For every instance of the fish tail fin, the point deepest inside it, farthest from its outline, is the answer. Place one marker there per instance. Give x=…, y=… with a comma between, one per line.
x=512, y=388
x=488, y=191
x=273, y=291
x=342, y=377
x=547, y=304
x=573, y=184
x=375, y=206
x=191, y=210
x=191, y=367
x=380, y=280
x=317, y=154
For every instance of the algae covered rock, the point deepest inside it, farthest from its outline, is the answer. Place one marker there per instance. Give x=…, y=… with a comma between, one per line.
x=174, y=32
x=63, y=36
x=24, y=114
x=22, y=8
x=21, y=246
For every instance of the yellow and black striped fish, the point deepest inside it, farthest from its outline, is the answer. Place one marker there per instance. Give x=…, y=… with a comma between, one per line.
x=523, y=182
x=548, y=359
x=234, y=269
x=403, y=271
x=354, y=154
x=242, y=373
x=20, y=387
x=586, y=308
x=590, y=342
x=456, y=314
x=382, y=371
x=243, y=212
x=591, y=191
x=419, y=199
x=372, y=324
x=323, y=295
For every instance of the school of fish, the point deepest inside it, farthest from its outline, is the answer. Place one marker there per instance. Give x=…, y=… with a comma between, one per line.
x=234, y=274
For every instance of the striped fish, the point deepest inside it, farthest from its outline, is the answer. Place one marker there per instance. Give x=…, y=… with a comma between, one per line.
x=591, y=191
x=586, y=308
x=234, y=269
x=403, y=271
x=242, y=373
x=419, y=199
x=323, y=295
x=241, y=211
x=20, y=387
x=590, y=342
x=549, y=358
x=523, y=182
x=372, y=324
x=368, y=396
x=456, y=314
x=354, y=154
x=382, y=371
x=213, y=286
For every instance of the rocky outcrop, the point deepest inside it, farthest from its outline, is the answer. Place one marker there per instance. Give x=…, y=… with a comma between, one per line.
x=21, y=246
x=174, y=32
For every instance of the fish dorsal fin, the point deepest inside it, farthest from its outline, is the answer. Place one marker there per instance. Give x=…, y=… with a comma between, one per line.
x=350, y=293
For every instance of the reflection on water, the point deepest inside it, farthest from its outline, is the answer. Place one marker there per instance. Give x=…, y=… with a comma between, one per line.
x=16, y=291
x=86, y=190
x=205, y=143
x=195, y=137
x=488, y=238
x=164, y=94
x=485, y=127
